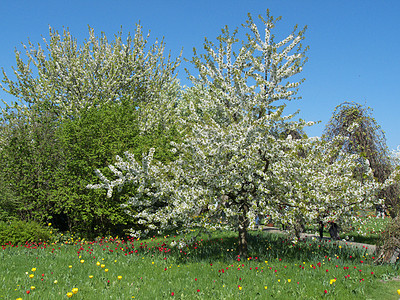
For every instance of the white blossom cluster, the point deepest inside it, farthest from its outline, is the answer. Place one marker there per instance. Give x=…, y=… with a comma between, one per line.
x=73, y=78
x=320, y=183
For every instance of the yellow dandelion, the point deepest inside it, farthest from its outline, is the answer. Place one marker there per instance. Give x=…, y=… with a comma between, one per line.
x=75, y=290
x=33, y=269
x=31, y=276
x=69, y=294
x=90, y=276
x=119, y=277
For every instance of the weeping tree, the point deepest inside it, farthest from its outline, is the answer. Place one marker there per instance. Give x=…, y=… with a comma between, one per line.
x=366, y=138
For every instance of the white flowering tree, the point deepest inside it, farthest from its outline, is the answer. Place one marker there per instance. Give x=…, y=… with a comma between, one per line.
x=234, y=164
x=70, y=78
x=224, y=162
x=320, y=183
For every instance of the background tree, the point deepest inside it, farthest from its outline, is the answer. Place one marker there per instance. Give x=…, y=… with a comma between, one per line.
x=367, y=139
x=46, y=133
x=29, y=157
x=73, y=78
x=314, y=186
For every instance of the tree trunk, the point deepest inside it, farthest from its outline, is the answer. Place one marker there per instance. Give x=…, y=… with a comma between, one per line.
x=334, y=231
x=243, y=225
x=321, y=229
x=298, y=228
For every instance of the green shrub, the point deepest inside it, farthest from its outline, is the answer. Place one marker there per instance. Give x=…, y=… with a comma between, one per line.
x=19, y=232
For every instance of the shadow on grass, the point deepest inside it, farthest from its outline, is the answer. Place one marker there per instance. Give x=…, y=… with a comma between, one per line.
x=372, y=240
x=222, y=246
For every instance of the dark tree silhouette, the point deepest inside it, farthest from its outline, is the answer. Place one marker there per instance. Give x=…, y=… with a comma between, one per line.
x=367, y=139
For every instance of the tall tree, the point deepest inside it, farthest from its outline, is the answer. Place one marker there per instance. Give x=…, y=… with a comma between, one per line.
x=60, y=81
x=224, y=162
x=366, y=138
x=236, y=161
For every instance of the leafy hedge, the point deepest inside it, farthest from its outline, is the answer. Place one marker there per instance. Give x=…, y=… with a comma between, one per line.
x=19, y=232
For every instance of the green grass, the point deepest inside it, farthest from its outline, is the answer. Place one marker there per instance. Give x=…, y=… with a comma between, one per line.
x=367, y=230
x=208, y=268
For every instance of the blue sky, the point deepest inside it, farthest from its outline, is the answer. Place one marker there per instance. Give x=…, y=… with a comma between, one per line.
x=353, y=54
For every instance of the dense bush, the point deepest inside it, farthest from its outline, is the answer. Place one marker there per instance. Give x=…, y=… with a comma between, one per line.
x=19, y=232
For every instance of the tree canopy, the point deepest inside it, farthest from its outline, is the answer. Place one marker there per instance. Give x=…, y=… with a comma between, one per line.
x=234, y=163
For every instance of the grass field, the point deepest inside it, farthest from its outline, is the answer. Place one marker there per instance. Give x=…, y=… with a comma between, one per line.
x=207, y=268
x=367, y=230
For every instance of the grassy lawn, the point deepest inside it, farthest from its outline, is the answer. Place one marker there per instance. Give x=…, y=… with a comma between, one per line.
x=207, y=268
x=367, y=230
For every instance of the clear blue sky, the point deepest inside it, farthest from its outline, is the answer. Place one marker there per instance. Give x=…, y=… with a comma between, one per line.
x=353, y=56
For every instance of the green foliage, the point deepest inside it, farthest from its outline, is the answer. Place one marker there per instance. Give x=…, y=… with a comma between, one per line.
x=8, y=201
x=29, y=156
x=89, y=142
x=19, y=232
